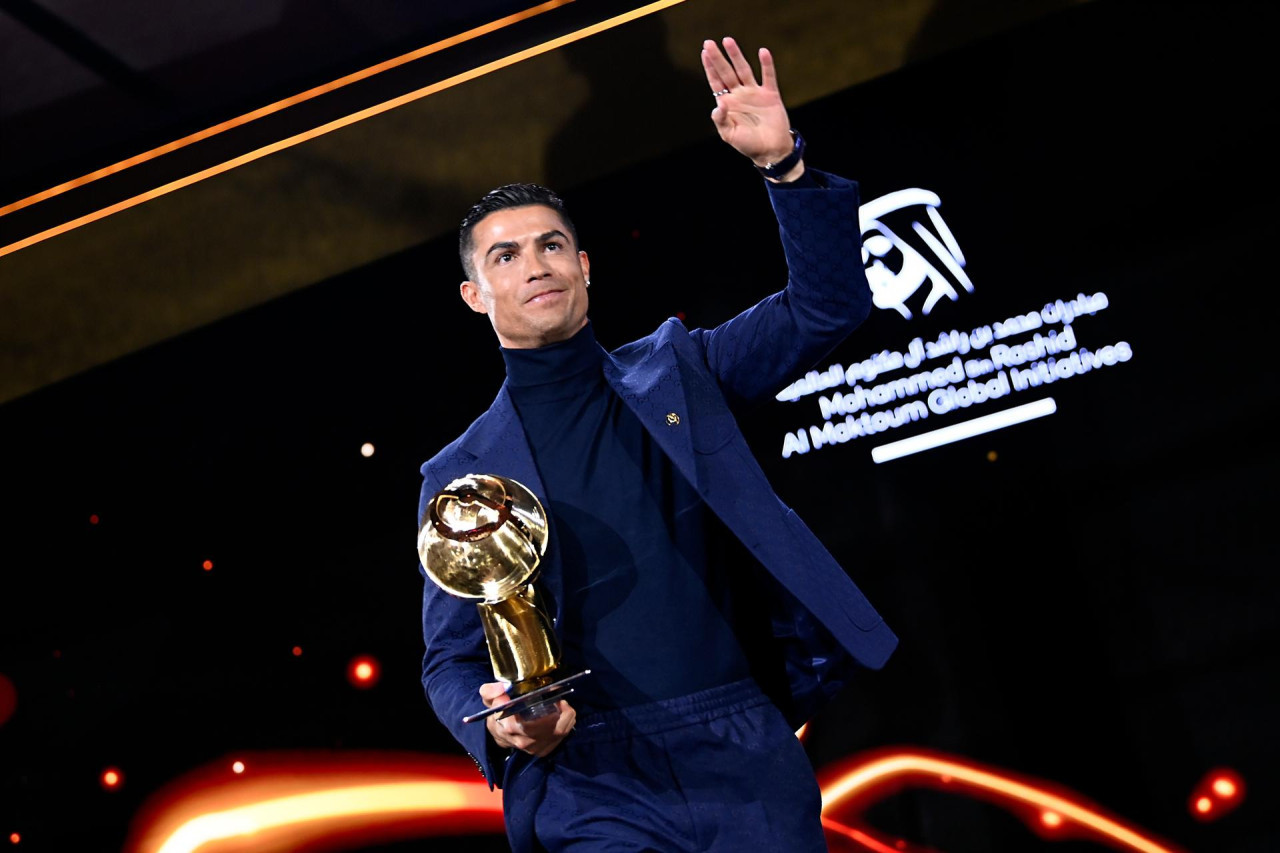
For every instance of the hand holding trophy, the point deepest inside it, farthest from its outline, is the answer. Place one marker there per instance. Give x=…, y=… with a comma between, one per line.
x=483, y=537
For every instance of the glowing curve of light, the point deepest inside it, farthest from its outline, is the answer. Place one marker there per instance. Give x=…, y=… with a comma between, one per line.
x=282, y=800
x=365, y=801
x=307, y=796
x=879, y=772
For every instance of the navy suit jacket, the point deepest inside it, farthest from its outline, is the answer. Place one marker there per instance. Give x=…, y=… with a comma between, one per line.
x=683, y=386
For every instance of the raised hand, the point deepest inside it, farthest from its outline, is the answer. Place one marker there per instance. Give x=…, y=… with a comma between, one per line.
x=750, y=116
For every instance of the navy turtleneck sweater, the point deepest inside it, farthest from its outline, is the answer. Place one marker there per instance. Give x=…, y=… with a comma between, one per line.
x=647, y=597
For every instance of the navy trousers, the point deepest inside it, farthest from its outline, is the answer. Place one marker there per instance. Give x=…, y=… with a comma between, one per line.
x=717, y=770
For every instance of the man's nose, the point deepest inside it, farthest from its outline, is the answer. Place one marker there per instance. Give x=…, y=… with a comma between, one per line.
x=535, y=268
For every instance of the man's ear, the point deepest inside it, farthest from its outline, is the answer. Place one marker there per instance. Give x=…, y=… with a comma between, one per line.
x=471, y=295
x=585, y=262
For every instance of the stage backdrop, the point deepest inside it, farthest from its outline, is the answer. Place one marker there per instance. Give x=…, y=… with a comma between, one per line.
x=1071, y=227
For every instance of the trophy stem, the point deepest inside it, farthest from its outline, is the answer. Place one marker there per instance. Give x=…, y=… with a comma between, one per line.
x=522, y=645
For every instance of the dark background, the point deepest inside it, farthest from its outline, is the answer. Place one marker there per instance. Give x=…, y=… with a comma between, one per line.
x=1095, y=607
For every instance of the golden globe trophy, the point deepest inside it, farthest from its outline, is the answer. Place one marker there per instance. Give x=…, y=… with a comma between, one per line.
x=482, y=537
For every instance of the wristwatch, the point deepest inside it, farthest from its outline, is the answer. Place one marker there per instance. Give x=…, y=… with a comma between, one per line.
x=786, y=164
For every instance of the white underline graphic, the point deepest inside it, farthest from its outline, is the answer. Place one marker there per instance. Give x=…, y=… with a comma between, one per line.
x=968, y=429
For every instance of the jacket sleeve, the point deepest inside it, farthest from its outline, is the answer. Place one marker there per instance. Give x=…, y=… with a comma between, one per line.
x=456, y=662
x=758, y=352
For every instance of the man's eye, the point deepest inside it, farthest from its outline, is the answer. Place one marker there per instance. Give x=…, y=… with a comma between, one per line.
x=553, y=246
x=504, y=257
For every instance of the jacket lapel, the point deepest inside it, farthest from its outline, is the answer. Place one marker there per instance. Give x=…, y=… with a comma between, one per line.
x=500, y=447
x=654, y=392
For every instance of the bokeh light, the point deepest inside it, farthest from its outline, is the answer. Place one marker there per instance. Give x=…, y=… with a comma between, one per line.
x=8, y=698
x=237, y=767
x=297, y=651
x=1218, y=792
x=207, y=565
x=366, y=450
x=111, y=779
x=363, y=671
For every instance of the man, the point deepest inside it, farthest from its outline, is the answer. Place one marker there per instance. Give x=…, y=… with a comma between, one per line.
x=712, y=619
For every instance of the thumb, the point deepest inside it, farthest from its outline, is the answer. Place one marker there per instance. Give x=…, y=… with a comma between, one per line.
x=492, y=690
x=720, y=118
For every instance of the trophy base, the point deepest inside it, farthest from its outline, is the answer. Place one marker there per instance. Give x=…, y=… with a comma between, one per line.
x=529, y=704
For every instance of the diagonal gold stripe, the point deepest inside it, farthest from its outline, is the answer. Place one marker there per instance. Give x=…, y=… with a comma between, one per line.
x=337, y=124
x=282, y=104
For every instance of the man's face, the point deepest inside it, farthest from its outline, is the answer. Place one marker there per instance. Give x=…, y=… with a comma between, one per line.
x=529, y=278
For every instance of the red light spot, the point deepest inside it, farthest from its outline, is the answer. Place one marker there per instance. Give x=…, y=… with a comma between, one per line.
x=1218, y=792
x=93, y=519
x=8, y=698
x=635, y=233
x=237, y=767
x=1051, y=819
x=297, y=651
x=363, y=671
x=207, y=565
x=945, y=779
x=680, y=316
x=14, y=838
x=111, y=778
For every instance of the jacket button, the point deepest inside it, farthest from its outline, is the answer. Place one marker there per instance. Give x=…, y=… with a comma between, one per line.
x=672, y=419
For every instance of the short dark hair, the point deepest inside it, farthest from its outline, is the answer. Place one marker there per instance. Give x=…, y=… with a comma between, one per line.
x=509, y=195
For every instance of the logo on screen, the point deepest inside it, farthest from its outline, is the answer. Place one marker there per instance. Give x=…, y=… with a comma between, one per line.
x=900, y=263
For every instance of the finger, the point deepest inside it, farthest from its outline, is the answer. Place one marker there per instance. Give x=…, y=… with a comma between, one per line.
x=568, y=719
x=728, y=77
x=714, y=79
x=740, y=64
x=768, y=72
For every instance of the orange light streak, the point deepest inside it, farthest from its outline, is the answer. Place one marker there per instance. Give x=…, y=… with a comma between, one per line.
x=337, y=124
x=857, y=836
x=297, y=800
x=887, y=771
x=366, y=802
x=282, y=104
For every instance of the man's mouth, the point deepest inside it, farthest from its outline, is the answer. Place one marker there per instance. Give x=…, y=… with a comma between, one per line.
x=543, y=296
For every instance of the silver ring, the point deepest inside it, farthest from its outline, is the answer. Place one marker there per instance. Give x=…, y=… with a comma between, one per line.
x=721, y=92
